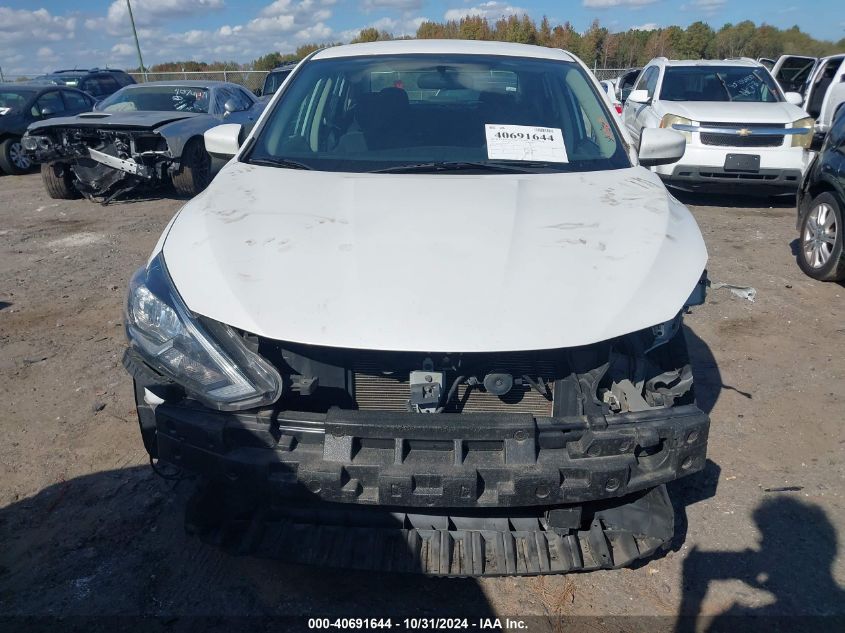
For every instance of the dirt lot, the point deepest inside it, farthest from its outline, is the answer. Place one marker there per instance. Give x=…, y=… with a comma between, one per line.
x=87, y=529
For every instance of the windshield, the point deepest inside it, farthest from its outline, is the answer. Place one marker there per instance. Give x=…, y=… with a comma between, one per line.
x=13, y=101
x=385, y=112
x=157, y=98
x=719, y=83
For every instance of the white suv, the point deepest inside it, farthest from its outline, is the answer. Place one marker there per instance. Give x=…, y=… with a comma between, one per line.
x=740, y=127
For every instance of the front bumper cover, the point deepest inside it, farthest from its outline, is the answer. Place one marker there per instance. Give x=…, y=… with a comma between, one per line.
x=444, y=460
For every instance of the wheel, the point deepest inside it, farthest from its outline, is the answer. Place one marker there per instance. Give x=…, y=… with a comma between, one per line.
x=58, y=181
x=13, y=160
x=820, y=250
x=195, y=171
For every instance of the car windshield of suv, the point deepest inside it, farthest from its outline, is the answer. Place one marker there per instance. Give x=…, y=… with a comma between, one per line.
x=157, y=98
x=13, y=101
x=718, y=83
x=400, y=112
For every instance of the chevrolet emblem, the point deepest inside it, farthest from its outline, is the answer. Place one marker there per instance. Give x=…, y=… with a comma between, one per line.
x=744, y=132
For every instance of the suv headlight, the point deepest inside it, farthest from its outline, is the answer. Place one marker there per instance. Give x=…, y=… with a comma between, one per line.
x=208, y=359
x=670, y=120
x=33, y=143
x=806, y=139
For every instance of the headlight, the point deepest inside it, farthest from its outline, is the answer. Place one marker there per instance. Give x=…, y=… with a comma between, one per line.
x=32, y=143
x=670, y=120
x=208, y=359
x=806, y=139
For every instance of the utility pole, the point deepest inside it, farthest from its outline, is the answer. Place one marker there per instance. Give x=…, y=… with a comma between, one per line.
x=135, y=33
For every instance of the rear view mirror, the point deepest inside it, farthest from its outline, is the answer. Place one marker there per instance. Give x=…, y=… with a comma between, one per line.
x=222, y=141
x=794, y=98
x=639, y=96
x=659, y=146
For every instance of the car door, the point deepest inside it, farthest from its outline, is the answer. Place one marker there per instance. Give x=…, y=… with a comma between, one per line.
x=793, y=71
x=834, y=97
x=636, y=115
x=48, y=105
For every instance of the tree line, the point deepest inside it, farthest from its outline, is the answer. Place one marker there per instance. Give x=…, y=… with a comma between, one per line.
x=597, y=46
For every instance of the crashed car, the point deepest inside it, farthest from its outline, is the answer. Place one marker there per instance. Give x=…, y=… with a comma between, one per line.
x=454, y=346
x=142, y=136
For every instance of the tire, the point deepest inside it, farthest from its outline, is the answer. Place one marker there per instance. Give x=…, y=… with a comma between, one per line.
x=195, y=171
x=58, y=181
x=12, y=158
x=820, y=239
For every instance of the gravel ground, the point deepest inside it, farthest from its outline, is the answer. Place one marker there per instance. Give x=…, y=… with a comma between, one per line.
x=88, y=530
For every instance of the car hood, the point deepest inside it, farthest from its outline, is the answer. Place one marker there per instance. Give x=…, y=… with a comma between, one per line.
x=135, y=120
x=735, y=111
x=440, y=262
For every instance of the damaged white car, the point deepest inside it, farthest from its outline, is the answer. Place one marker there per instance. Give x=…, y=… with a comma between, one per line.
x=452, y=346
x=142, y=136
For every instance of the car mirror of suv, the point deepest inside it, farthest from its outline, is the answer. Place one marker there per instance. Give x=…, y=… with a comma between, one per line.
x=794, y=98
x=639, y=96
x=47, y=111
x=661, y=147
x=221, y=141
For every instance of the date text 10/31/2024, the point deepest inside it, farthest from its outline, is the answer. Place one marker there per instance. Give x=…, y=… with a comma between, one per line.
x=415, y=624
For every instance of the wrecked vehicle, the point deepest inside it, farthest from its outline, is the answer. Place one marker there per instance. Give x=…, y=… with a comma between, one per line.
x=142, y=136
x=454, y=345
x=21, y=105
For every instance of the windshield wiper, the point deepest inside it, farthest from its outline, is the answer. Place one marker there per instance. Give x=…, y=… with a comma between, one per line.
x=513, y=167
x=279, y=162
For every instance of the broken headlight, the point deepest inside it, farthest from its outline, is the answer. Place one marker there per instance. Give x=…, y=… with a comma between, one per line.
x=32, y=143
x=208, y=359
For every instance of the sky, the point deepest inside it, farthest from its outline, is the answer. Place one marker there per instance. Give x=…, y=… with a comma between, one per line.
x=38, y=36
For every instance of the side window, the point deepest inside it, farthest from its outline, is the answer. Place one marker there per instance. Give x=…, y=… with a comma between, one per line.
x=836, y=135
x=50, y=100
x=93, y=86
x=244, y=102
x=222, y=95
x=651, y=81
x=75, y=100
x=108, y=84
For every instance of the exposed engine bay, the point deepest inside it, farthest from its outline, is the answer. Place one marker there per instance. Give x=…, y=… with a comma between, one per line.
x=644, y=370
x=105, y=163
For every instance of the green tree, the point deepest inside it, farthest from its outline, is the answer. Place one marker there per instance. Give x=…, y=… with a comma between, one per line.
x=696, y=41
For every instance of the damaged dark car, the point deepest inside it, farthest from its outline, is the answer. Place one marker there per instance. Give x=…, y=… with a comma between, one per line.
x=144, y=136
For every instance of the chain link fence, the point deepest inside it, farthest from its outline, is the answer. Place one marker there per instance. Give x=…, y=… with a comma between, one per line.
x=254, y=79
x=249, y=79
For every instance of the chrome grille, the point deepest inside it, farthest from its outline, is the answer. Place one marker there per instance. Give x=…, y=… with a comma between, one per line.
x=735, y=140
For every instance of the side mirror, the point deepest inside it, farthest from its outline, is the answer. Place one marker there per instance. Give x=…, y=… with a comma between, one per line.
x=221, y=141
x=659, y=146
x=639, y=96
x=47, y=111
x=258, y=92
x=232, y=105
x=794, y=98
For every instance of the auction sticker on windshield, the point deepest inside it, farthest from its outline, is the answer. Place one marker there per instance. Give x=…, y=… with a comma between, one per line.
x=524, y=142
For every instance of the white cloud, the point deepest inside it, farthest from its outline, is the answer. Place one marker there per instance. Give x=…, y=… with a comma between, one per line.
x=648, y=26
x=492, y=10
x=398, y=5
x=149, y=13
x=46, y=54
x=123, y=50
x=607, y=4
x=21, y=25
x=708, y=6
